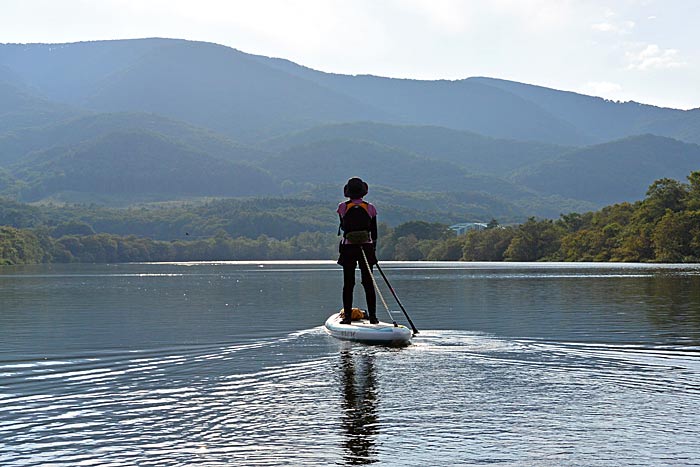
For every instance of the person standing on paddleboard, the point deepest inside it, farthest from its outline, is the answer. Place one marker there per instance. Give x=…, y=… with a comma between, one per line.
x=358, y=221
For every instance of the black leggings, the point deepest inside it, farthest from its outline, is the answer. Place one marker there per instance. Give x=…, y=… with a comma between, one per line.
x=349, y=266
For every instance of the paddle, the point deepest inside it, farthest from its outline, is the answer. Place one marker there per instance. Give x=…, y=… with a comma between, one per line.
x=415, y=331
x=376, y=287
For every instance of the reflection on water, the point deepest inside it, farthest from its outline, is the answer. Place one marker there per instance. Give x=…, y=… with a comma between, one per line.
x=227, y=364
x=359, y=420
x=675, y=299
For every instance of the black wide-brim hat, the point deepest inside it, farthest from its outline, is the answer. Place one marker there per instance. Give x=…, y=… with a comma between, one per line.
x=355, y=188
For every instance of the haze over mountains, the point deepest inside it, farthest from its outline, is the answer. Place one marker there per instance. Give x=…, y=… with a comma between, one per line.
x=160, y=119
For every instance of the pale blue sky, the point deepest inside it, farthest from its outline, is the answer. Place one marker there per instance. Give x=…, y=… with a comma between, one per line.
x=642, y=50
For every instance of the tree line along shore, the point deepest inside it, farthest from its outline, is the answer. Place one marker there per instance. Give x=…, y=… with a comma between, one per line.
x=662, y=227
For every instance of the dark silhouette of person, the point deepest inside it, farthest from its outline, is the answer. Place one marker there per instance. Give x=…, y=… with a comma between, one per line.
x=359, y=418
x=358, y=221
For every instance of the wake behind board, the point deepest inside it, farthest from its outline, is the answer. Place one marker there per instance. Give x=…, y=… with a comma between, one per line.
x=362, y=331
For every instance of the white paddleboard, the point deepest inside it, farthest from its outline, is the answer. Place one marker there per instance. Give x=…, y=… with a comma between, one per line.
x=362, y=331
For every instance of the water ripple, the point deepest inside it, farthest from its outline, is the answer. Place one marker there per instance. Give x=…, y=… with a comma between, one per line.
x=307, y=399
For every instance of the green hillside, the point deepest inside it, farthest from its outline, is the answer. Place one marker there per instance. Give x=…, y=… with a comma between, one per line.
x=17, y=143
x=471, y=151
x=136, y=163
x=20, y=108
x=684, y=127
x=134, y=121
x=615, y=171
x=7, y=181
x=278, y=218
x=331, y=161
x=399, y=206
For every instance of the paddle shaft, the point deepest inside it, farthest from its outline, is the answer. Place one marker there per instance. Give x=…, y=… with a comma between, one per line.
x=415, y=330
x=376, y=287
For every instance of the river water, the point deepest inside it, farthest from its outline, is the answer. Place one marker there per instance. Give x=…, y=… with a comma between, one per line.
x=228, y=364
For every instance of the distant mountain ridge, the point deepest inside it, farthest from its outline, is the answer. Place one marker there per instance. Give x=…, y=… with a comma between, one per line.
x=461, y=105
x=223, y=89
x=597, y=118
x=161, y=119
x=70, y=72
x=250, y=97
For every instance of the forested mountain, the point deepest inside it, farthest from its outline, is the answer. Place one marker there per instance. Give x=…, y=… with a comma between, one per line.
x=459, y=105
x=20, y=142
x=223, y=89
x=20, y=108
x=414, y=176
x=685, y=127
x=275, y=217
x=614, y=171
x=663, y=227
x=6, y=180
x=136, y=163
x=206, y=84
x=598, y=119
x=501, y=108
x=72, y=72
x=251, y=97
x=137, y=121
x=471, y=151
x=331, y=161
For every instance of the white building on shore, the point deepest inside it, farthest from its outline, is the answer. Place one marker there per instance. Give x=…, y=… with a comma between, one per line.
x=465, y=227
